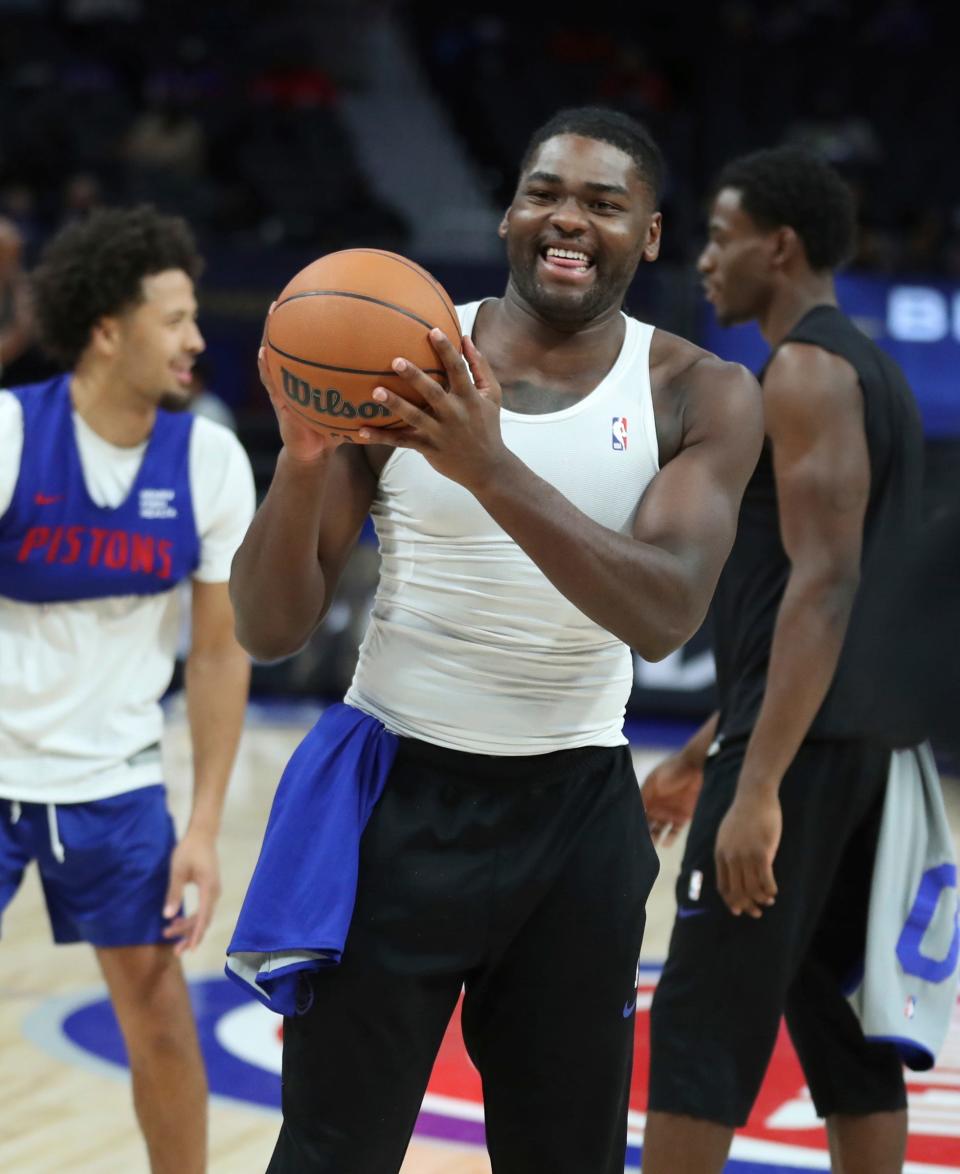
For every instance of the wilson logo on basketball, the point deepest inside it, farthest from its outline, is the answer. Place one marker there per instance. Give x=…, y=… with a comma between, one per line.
x=327, y=400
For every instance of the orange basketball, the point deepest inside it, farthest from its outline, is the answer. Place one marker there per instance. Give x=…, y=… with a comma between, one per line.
x=340, y=323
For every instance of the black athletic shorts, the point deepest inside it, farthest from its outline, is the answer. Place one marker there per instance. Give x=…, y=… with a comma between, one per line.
x=523, y=880
x=728, y=980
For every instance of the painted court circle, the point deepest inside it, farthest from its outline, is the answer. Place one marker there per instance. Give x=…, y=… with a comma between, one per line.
x=241, y=1042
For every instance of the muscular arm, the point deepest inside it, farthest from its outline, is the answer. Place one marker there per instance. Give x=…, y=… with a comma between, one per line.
x=652, y=587
x=814, y=417
x=286, y=570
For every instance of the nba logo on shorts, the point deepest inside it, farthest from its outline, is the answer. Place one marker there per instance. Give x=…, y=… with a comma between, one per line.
x=619, y=436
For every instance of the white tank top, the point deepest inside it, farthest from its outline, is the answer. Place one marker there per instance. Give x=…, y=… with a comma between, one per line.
x=470, y=646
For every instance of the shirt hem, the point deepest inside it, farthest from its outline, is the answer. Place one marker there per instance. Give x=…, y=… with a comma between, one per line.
x=602, y=736
x=84, y=790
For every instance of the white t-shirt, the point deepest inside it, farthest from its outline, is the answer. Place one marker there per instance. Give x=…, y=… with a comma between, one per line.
x=80, y=681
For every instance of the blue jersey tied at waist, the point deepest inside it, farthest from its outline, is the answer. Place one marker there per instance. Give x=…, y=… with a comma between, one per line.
x=297, y=911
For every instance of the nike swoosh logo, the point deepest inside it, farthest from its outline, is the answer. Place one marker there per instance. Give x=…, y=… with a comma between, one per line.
x=629, y=1008
x=684, y=911
x=47, y=499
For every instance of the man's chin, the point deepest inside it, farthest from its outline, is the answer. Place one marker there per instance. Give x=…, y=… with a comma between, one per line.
x=174, y=401
x=567, y=303
x=727, y=317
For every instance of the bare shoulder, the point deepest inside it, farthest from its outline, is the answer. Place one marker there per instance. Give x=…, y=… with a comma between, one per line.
x=703, y=386
x=797, y=363
x=670, y=357
x=698, y=396
x=809, y=375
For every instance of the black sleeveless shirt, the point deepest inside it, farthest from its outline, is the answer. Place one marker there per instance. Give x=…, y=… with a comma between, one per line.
x=753, y=581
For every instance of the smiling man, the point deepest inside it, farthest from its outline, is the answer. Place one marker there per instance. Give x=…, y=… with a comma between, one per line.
x=574, y=494
x=107, y=502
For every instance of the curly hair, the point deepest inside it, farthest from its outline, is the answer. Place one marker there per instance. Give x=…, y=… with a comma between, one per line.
x=798, y=188
x=606, y=126
x=95, y=268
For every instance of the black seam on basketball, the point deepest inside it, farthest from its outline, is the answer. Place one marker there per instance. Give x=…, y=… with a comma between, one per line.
x=342, y=293
x=341, y=428
x=452, y=315
x=420, y=272
x=347, y=370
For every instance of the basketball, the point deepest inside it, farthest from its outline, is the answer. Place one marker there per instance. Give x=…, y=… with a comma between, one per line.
x=339, y=324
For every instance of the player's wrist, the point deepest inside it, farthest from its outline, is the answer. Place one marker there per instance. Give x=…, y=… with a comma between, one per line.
x=304, y=465
x=204, y=823
x=498, y=480
x=758, y=787
x=693, y=755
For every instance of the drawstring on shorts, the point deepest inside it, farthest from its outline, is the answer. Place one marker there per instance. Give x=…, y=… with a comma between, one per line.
x=56, y=845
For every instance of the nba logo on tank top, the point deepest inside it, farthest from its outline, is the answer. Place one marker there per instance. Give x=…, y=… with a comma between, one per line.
x=57, y=544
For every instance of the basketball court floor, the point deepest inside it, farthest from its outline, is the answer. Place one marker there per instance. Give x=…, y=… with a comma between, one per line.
x=65, y=1104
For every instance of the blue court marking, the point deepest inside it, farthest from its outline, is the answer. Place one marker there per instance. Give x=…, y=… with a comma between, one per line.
x=91, y=1028
x=94, y=1028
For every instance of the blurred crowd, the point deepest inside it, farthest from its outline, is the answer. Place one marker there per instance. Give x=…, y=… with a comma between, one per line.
x=871, y=84
x=231, y=114
x=226, y=114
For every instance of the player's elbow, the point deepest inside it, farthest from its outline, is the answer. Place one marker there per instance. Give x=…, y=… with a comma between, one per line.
x=654, y=646
x=266, y=643
x=833, y=585
x=253, y=642
x=652, y=650
x=672, y=631
x=839, y=593
x=828, y=593
x=269, y=627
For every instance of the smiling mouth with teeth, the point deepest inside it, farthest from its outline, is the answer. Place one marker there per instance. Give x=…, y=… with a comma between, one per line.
x=568, y=259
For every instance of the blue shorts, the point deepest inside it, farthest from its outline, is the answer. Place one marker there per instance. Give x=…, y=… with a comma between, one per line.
x=110, y=886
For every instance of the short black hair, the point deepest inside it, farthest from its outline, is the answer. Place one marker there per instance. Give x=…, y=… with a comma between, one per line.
x=796, y=187
x=607, y=126
x=95, y=267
